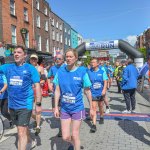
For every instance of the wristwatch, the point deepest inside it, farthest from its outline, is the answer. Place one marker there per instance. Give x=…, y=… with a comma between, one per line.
x=38, y=103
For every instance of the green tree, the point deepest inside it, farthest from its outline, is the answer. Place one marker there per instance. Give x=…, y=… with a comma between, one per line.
x=88, y=59
x=143, y=51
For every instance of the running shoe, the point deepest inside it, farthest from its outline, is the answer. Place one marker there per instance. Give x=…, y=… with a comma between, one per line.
x=31, y=145
x=126, y=112
x=93, y=128
x=107, y=111
x=101, y=121
x=133, y=111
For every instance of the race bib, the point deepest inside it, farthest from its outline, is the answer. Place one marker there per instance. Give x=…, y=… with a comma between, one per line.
x=97, y=85
x=68, y=99
x=17, y=82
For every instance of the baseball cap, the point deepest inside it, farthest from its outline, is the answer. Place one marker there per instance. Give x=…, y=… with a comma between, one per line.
x=34, y=56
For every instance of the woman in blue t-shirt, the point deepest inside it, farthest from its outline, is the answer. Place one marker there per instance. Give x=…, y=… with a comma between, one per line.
x=69, y=82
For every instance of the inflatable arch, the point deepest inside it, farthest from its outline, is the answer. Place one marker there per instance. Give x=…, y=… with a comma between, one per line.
x=116, y=44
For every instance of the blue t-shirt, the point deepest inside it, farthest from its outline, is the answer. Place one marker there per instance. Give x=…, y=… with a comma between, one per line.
x=3, y=81
x=71, y=84
x=53, y=70
x=110, y=71
x=97, y=79
x=20, y=80
x=104, y=69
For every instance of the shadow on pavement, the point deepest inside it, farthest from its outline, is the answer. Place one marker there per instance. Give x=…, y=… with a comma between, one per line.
x=118, y=99
x=58, y=143
x=117, y=107
x=114, y=92
x=134, y=129
x=143, y=105
x=53, y=122
x=15, y=135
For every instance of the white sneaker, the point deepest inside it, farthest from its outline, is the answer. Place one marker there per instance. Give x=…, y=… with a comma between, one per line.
x=31, y=145
x=133, y=111
x=107, y=111
x=126, y=112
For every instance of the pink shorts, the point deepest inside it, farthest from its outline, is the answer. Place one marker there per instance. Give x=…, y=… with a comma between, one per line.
x=73, y=115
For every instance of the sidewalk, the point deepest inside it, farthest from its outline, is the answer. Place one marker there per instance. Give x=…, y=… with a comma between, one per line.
x=119, y=132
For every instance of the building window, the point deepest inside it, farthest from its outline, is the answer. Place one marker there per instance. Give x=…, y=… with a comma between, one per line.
x=12, y=7
x=45, y=10
x=69, y=42
x=39, y=42
x=25, y=14
x=46, y=25
x=27, y=39
x=61, y=38
x=38, y=21
x=37, y=4
x=69, y=32
x=66, y=41
x=57, y=24
x=53, y=35
x=57, y=36
x=47, y=45
x=13, y=35
x=60, y=27
x=54, y=51
x=65, y=30
x=53, y=22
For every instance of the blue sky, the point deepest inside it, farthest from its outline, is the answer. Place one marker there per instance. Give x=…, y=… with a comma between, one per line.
x=104, y=19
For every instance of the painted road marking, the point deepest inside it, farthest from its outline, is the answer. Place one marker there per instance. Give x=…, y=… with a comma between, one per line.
x=112, y=116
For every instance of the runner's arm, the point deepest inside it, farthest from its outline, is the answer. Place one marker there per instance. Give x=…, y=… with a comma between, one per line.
x=88, y=94
x=38, y=92
x=57, y=96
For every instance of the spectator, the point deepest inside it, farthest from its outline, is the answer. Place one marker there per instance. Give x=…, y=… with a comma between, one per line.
x=129, y=85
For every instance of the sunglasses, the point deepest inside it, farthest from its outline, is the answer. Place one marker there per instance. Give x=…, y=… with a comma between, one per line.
x=58, y=59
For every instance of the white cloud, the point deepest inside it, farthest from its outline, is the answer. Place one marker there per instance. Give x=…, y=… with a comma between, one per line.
x=131, y=39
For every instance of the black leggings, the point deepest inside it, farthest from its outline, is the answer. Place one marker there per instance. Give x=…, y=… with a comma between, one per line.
x=4, y=108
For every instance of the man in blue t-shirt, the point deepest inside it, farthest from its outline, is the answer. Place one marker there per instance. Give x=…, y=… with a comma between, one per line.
x=59, y=63
x=20, y=77
x=98, y=78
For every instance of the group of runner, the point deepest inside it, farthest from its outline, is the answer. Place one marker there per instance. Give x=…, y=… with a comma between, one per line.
x=65, y=81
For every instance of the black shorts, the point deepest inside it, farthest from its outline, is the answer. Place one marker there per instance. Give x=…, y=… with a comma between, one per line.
x=98, y=98
x=21, y=117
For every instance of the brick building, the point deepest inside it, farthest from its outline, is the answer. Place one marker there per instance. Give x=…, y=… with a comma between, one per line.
x=140, y=41
x=41, y=13
x=147, y=40
x=143, y=41
x=56, y=40
x=16, y=25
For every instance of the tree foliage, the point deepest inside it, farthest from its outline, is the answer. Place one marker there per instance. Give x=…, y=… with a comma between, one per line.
x=88, y=59
x=143, y=51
